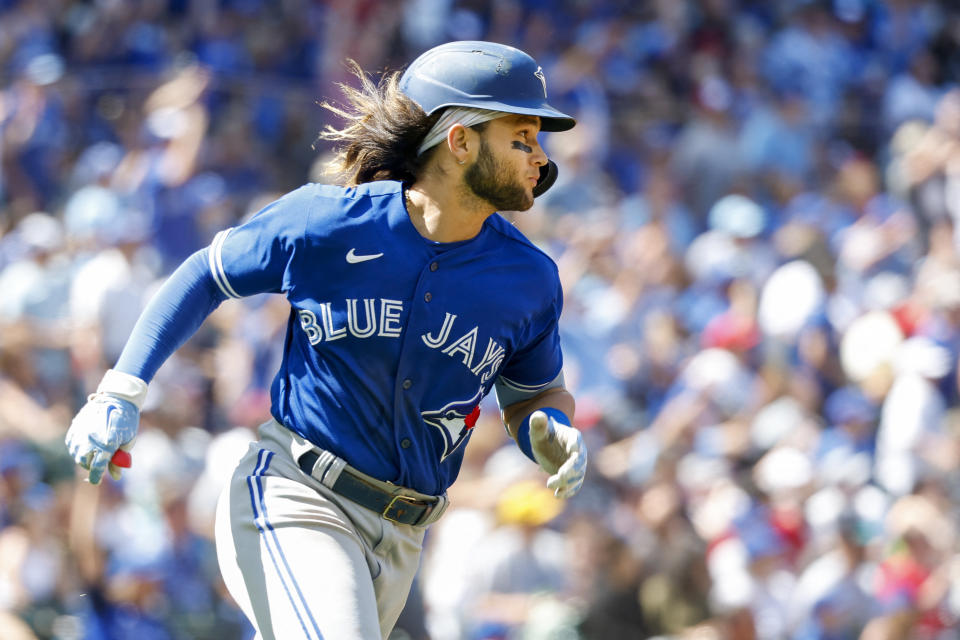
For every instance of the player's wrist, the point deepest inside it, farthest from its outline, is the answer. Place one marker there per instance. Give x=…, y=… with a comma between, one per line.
x=523, y=431
x=124, y=385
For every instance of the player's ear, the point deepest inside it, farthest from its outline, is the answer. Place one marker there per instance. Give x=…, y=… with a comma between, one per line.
x=461, y=142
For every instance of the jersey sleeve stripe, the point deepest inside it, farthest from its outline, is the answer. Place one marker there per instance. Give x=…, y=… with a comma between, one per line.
x=216, y=264
x=522, y=387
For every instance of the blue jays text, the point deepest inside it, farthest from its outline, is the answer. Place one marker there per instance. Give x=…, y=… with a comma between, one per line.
x=389, y=313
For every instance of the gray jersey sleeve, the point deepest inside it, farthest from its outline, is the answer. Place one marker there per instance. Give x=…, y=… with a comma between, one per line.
x=508, y=394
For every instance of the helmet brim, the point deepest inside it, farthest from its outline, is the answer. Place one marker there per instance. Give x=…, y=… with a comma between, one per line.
x=551, y=120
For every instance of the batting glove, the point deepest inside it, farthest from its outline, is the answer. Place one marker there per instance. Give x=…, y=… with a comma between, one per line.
x=559, y=450
x=107, y=422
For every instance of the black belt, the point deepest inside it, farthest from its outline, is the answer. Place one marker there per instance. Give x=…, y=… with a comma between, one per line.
x=396, y=508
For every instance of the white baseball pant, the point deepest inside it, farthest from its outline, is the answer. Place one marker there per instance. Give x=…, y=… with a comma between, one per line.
x=302, y=561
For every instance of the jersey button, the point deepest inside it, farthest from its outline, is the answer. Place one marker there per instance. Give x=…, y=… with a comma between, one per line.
x=405, y=443
x=434, y=266
x=428, y=296
x=407, y=383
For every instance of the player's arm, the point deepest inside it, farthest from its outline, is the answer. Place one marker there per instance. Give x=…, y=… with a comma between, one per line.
x=109, y=419
x=556, y=398
x=242, y=261
x=541, y=424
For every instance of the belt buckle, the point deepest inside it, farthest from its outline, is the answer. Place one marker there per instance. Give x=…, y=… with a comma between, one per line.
x=410, y=501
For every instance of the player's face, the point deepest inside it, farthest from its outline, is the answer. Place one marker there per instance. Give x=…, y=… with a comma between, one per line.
x=508, y=163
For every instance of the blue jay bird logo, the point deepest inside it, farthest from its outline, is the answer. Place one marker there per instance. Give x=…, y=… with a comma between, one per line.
x=543, y=80
x=455, y=421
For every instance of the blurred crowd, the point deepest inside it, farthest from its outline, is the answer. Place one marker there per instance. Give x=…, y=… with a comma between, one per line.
x=757, y=224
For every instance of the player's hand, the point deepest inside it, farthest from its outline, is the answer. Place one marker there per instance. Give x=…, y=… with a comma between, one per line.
x=107, y=423
x=559, y=450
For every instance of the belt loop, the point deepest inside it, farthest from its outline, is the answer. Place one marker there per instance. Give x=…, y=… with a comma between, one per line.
x=321, y=465
x=437, y=511
x=328, y=468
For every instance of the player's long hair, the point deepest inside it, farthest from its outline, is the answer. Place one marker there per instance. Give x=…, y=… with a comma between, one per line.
x=383, y=130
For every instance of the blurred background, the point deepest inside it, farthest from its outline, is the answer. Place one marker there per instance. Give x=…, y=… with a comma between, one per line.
x=756, y=228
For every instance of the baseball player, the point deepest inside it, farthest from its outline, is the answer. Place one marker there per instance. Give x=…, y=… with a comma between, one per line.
x=410, y=300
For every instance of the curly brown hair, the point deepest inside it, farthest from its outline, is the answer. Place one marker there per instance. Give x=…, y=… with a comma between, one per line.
x=382, y=132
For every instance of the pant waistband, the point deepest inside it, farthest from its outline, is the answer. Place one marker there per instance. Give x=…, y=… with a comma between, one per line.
x=395, y=503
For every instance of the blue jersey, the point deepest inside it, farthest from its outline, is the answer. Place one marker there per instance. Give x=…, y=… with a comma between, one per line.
x=393, y=339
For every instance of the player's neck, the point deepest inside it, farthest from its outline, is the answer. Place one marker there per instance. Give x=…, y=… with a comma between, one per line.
x=443, y=213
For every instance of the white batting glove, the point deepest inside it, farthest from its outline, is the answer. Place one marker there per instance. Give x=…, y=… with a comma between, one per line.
x=559, y=450
x=107, y=422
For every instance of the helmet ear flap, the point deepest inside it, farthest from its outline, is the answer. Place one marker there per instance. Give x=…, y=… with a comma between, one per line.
x=548, y=175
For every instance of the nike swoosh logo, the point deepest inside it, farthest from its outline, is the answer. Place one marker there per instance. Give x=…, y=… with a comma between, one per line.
x=353, y=258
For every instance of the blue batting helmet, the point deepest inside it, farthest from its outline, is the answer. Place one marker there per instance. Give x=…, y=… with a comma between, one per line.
x=483, y=75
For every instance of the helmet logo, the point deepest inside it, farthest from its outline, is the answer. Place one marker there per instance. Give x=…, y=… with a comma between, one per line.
x=543, y=80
